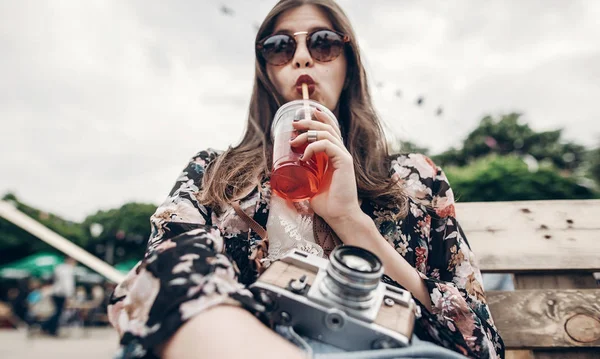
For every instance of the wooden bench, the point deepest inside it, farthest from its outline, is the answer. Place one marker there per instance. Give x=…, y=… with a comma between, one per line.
x=552, y=248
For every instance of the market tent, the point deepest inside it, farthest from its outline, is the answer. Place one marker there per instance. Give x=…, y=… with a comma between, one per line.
x=126, y=266
x=38, y=265
x=42, y=265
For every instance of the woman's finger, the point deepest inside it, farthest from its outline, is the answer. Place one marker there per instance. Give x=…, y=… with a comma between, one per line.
x=321, y=135
x=333, y=151
x=325, y=118
x=304, y=125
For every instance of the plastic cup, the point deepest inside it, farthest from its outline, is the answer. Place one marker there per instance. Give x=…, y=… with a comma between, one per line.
x=291, y=178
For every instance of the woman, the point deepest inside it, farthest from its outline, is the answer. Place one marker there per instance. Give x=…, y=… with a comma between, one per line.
x=188, y=296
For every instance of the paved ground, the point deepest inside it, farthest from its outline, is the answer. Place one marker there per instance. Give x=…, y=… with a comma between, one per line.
x=95, y=343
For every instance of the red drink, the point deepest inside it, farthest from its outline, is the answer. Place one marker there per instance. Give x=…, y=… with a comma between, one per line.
x=291, y=178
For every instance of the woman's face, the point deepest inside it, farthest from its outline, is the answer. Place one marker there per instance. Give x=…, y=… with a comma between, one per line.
x=328, y=77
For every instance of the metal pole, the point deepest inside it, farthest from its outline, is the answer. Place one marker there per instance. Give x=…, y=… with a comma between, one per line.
x=110, y=251
x=20, y=219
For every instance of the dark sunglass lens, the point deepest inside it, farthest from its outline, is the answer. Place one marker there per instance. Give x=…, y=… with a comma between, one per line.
x=278, y=49
x=325, y=45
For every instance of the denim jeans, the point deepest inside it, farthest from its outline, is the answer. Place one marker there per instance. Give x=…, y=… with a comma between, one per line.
x=419, y=349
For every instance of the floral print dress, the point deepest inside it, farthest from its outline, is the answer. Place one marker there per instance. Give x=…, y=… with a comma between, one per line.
x=197, y=259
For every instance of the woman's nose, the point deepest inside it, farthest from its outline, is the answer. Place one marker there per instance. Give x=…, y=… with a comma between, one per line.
x=302, y=57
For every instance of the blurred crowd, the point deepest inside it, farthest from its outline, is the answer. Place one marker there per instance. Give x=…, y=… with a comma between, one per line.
x=43, y=306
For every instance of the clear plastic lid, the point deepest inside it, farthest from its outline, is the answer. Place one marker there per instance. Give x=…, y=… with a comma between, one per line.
x=288, y=111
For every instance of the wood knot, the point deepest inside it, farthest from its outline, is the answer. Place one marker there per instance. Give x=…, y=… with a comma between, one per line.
x=543, y=227
x=525, y=210
x=583, y=328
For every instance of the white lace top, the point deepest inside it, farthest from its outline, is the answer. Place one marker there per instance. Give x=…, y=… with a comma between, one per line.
x=291, y=226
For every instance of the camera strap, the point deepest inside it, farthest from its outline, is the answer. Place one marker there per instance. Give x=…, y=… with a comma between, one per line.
x=249, y=220
x=324, y=235
x=262, y=249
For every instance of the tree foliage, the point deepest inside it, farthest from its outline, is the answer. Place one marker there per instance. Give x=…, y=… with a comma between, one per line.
x=411, y=147
x=508, y=178
x=16, y=242
x=507, y=135
x=128, y=227
x=594, y=164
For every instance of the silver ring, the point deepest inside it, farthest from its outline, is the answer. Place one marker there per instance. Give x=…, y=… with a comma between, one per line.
x=312, y=136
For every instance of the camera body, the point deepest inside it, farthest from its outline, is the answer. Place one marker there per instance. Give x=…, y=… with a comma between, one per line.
x=340, y=301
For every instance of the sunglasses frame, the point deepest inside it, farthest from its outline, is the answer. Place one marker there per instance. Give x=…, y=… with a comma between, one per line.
x=260, y=44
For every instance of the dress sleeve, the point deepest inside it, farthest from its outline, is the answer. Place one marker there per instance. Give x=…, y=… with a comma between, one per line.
x=448, y=266
x=184, y=270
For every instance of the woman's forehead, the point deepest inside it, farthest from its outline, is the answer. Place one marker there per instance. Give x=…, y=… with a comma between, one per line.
x=302, y=18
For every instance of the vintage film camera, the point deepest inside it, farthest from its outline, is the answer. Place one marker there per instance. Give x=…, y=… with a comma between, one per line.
x=340, y=301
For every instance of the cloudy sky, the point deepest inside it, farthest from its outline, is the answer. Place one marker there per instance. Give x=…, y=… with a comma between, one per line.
x=103, y=102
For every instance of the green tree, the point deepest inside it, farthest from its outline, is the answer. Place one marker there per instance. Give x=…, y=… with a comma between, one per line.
x=411, y=147
x=594, y=164
x=508, y=178
x=17, y=243
x=127, y=227
x=507, y=135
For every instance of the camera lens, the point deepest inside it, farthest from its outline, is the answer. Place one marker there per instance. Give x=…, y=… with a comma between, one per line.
x=358, y=263
x=353, y=274
x=355, y=258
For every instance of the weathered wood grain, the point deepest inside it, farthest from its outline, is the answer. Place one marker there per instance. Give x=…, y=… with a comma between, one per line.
x=558, y=281
x=514, y=237
x=542, y=319
x=574, y=280
x=518, y=354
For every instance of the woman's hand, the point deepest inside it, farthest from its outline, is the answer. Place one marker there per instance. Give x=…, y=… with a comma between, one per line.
x=337, y=198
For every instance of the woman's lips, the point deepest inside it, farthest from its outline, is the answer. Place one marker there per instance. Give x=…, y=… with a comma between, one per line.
x=305, y=79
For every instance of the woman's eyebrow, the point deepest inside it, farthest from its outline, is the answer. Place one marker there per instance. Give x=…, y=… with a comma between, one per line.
x=282, y=31
x=311, y=29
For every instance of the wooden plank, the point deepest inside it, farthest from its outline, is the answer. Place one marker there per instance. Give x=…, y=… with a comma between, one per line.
x=544, y=318
x=579, y=353
x=531, y=252
x=562, y=281
x=555, y=214
x=533, y=235
x=543, y=281
x=518, y=354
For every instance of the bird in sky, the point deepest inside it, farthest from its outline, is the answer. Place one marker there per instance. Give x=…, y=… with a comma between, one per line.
x=225, y=10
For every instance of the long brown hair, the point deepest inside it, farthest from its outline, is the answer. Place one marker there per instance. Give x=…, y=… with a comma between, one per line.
x=241, y=166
